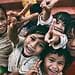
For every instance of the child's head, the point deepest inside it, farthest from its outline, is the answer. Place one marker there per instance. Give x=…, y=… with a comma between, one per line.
x=34, y=42
x=55, y=61
x=3, y=21
x=63, y=19
x=71, y=38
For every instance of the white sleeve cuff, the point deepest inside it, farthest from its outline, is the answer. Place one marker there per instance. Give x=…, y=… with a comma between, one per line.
x=63, y=42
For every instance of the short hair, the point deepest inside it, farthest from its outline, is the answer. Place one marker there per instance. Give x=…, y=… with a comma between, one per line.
x=71, y=25
x=64, y=17
x=60, y=52
x=35, y=8
x=39, y=29
x=3, y=9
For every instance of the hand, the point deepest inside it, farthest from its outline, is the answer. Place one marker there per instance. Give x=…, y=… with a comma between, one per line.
x=35, y=68
x=48, y=4
x=52, y=35
x=51, y=38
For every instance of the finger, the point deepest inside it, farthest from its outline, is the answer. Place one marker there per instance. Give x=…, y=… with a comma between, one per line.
x=57, y=33
x=52, y=24
x=52, y=40
x=35, y=64
x=38, y=64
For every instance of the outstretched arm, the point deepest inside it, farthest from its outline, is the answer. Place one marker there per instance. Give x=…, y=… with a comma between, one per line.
x=13, y=27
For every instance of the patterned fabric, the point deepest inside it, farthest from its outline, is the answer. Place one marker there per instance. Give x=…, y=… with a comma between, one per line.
x=5, y=50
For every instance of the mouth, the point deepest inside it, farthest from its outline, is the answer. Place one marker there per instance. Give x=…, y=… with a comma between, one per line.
x=52, y=72
x=72, y=48
x=29, y=49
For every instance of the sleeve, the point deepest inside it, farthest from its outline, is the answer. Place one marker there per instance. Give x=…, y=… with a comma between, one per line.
x=27, y=65
x=12, y=60
x=63, y=42
x=10, y=63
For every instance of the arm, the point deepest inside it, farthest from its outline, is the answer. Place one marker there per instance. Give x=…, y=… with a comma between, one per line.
x=47, y=5
x=13, y=27
x=35, y=69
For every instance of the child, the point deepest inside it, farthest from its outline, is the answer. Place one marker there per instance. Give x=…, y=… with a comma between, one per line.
x=71, y=38
x=5, y=43
x=71, y=46
x=54, y=62
x=25, y=56
x=56, y=35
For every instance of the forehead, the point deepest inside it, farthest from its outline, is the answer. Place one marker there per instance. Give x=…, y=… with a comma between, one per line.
x=56, y=57
x=37, y=36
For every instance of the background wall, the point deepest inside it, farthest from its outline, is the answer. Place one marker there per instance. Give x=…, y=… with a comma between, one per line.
x=63, y=5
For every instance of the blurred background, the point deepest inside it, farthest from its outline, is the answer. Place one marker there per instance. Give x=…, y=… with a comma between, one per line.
x=63, y=5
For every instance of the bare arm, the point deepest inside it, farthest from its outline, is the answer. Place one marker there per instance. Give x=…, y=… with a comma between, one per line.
x=13, y=27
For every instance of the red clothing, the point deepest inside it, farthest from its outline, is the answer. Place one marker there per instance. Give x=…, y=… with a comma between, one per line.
x=71, y=69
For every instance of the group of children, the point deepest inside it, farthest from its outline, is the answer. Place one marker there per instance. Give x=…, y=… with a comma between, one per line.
x=38, y=44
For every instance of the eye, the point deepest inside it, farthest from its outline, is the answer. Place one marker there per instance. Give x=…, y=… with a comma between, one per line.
x=33, y=38
x=51, y=60
x=61, y=63
x=42, y=45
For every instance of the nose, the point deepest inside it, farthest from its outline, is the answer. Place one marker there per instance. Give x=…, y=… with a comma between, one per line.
x=55, y=66
x=34, y=44
x=73, y=43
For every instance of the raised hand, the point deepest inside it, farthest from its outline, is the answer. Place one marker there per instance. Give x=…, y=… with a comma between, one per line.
x=35, y=68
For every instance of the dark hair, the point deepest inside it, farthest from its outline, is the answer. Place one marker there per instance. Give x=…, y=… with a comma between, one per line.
x=39, y=29
x=64, y=17
x=70, y=28
x=35, y=8
x=3, y=9
x=60, y=52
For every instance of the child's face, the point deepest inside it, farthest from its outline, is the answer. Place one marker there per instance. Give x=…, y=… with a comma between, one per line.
x=34, y=44
x=54, y=64
x=71, y=42
x=59, y=26
x=3, y=21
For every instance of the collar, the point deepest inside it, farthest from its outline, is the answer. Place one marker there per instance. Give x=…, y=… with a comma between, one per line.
x=47, y=22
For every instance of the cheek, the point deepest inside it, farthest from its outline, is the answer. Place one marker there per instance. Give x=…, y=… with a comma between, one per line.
x=27, y=40
x=61, y=67
x=69, y=43
x=39, y=49
x=47, y=63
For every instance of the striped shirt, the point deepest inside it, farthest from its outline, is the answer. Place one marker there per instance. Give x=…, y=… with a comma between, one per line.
x=5, y=50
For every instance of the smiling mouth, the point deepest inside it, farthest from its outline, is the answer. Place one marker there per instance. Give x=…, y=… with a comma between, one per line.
x=72, y=48
x=29, y=49
x=53, y=72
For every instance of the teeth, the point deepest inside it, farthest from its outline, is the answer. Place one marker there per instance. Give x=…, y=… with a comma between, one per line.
x=30, y=49
x=52, y=71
